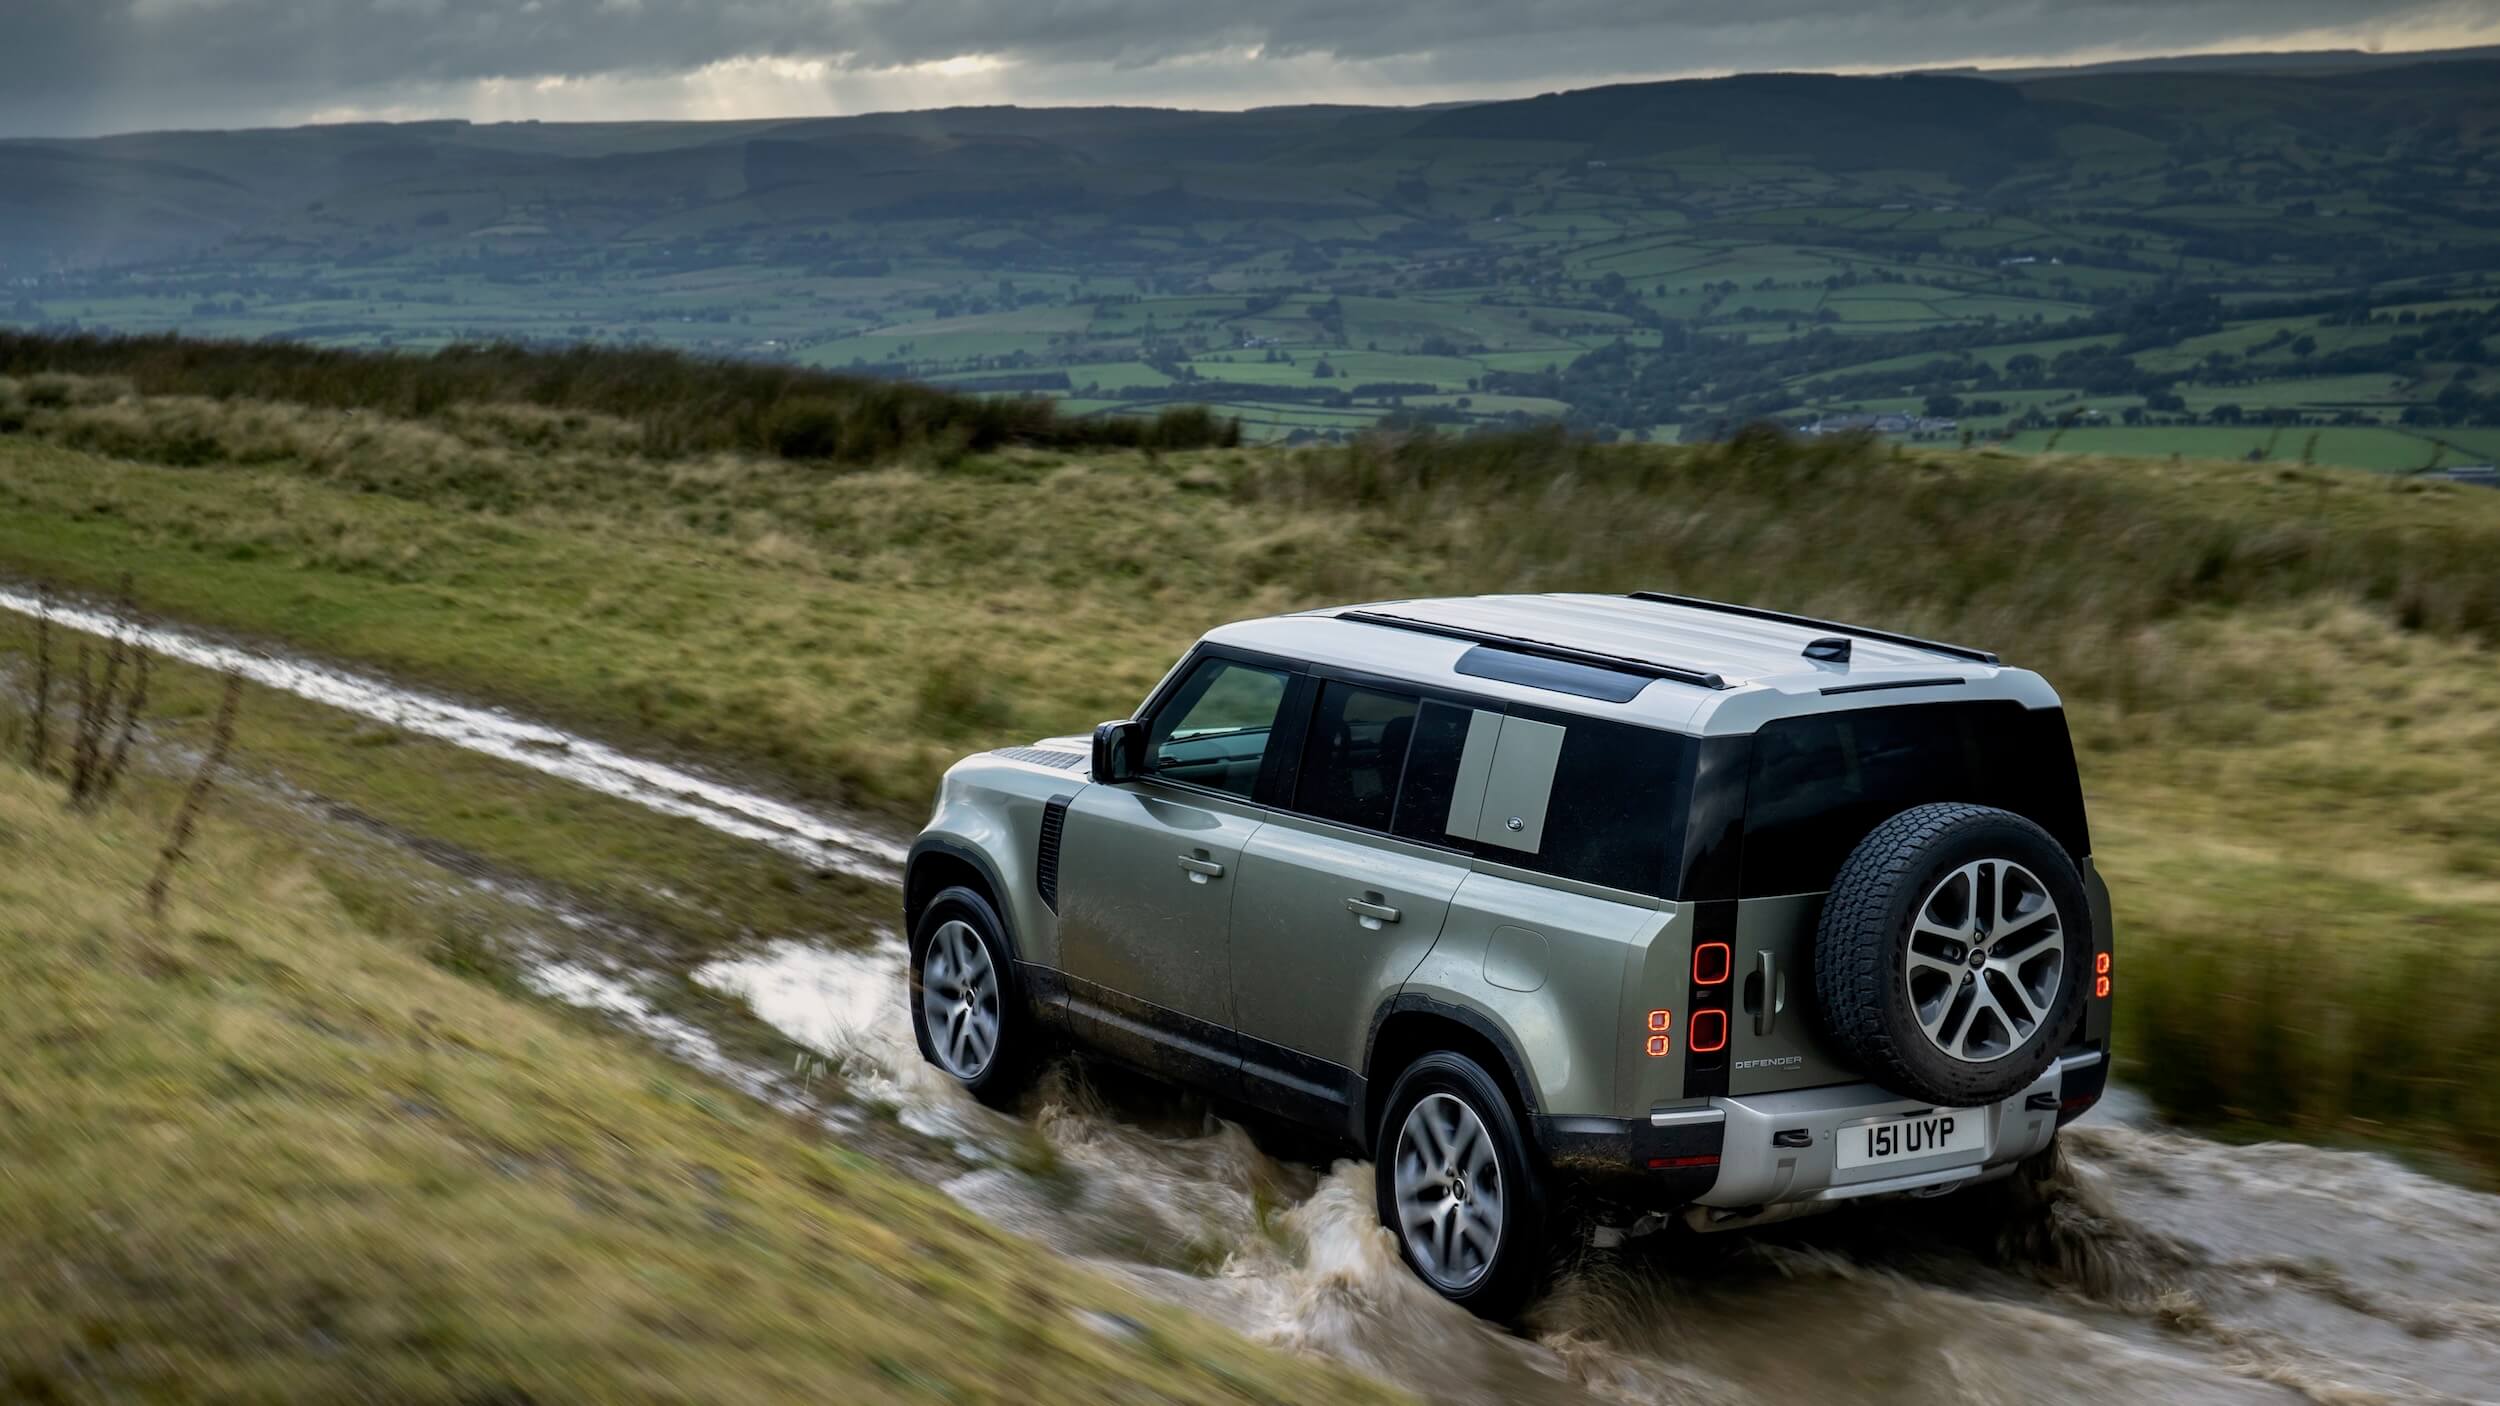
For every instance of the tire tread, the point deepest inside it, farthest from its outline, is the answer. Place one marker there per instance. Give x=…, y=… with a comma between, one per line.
x=1856, y=945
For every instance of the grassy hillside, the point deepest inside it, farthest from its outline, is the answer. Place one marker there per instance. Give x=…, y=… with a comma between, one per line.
x=2253, y=255
x=265, y=1150
x=2282, y=680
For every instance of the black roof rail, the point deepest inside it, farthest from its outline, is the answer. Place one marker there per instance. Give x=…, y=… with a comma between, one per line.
x=1700, y=678
x=1954, y=651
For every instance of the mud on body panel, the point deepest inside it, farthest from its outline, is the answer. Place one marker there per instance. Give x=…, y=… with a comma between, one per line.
x=989, y=816
x=1541, y=960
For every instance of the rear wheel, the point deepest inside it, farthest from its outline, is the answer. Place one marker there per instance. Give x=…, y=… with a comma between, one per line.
x=967, y=1010
x=1457, y=1184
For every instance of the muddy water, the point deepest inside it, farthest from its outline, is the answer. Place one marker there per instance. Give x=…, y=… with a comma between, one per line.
x=811, y=838
x=2152, y=1266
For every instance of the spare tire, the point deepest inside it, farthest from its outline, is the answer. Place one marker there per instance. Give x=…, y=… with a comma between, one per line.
x=1953, y=954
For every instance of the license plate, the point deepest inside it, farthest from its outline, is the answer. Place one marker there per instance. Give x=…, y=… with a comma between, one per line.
x=1919, y=1136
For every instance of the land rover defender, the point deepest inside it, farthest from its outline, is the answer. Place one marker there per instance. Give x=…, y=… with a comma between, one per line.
x=1701, y=908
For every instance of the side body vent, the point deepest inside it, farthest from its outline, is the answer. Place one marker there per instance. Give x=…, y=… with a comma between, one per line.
x=1042, y=756
x=1046, y=856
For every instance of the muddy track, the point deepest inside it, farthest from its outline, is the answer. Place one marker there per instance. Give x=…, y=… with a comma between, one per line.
x=2151, y=1265
x=852, y=847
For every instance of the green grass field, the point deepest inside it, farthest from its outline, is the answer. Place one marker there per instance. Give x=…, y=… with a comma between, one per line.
x=2281, y=679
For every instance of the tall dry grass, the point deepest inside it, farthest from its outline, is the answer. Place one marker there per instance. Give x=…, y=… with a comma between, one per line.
x=270, y=1150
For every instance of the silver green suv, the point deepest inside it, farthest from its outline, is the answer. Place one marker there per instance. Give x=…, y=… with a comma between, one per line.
x=1700, y=908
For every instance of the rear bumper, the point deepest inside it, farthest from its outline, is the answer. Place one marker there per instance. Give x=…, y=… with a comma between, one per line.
x=1782, y=1149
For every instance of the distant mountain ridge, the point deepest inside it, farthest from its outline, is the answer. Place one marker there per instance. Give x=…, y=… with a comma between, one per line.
x=367, y=189
x=2252, y=61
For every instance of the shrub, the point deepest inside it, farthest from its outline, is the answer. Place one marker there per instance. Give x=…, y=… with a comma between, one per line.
x=681, y=406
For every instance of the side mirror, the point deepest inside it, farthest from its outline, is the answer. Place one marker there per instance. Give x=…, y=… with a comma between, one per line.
x=1117, y=749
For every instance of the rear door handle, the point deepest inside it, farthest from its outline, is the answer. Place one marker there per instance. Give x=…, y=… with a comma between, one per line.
x=1372, y=914
x=1201, y=871
x=1766, y=1017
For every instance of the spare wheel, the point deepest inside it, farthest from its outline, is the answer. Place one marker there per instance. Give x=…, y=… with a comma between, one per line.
x=1953, y=954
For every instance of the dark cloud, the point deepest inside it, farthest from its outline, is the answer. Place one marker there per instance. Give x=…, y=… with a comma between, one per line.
x=93, y=65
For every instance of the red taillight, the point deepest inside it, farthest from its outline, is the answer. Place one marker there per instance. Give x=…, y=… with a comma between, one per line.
x=1711, y=963
x=2100, y=979
x=1706, y=1032
x=1678, y=1164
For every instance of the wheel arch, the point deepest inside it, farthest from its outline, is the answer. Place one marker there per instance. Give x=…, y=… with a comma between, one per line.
x=1411, y=1025
x=937, y=864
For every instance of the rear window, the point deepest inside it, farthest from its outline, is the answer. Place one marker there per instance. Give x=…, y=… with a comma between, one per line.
x=1819, y=784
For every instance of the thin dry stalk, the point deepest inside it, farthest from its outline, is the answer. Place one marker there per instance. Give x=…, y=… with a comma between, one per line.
x=119, y=760
x=95, y=718
x=177, y=845
x=93, y=779
x=82, y=690
x=39, y=739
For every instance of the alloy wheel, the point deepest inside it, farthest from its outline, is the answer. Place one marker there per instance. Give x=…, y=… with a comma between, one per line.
x=959, y=999
x=1986, y=960
x=1448, y=1183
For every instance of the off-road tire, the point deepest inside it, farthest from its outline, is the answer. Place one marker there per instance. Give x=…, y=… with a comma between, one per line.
x=1522, y=1259
x=1862, y=994
x=1020, y=1051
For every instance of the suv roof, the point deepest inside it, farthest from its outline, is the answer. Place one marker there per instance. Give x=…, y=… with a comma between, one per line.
x=1697, y=666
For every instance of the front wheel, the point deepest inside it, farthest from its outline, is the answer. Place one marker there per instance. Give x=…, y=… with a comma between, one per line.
x=1458, y=1186
x=967, y=1010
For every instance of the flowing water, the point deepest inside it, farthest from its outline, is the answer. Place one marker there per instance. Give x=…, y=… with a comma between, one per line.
x=2150, y=1265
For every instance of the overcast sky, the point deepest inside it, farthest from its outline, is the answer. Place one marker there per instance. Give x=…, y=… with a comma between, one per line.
x=77, y=67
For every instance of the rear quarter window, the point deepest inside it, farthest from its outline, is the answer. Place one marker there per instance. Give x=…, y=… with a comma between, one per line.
x=1615, y=816
x=1818, y=784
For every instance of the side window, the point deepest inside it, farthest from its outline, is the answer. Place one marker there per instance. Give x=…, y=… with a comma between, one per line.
x=1598, y=801
x=1213, y=730
x=1432, y=766
x=1355, y=755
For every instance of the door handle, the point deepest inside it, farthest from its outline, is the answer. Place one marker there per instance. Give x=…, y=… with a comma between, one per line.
x=1372, y=914
x=1201, y=871
x=1766, y=1017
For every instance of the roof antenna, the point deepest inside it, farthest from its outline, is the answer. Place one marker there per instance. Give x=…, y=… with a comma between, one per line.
x=1831, y=649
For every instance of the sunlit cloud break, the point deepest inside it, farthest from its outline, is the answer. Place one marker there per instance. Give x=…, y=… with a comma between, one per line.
x=84, y=66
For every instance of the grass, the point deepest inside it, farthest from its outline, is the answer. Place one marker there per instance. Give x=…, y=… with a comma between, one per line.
x=268, y=1151
x=694, y=890
x=2281, y=679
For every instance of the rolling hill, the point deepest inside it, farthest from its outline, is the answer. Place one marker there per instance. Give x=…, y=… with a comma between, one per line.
x=2277, y=248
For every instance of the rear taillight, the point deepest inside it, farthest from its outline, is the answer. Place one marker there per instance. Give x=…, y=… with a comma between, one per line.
x=1711, y=963
x=1678, y=1164
x=1706, y=1032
